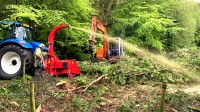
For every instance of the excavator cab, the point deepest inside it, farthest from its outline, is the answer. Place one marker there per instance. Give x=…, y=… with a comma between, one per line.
x=111, y=51
x=116, y=48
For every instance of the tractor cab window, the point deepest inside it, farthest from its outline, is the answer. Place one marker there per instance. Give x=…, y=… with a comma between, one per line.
x=23, y=33
x=32, y=33
x=20, y=33
x=29, y=35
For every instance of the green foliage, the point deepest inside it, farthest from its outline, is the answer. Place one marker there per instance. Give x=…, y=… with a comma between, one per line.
x=16, y=91
x=144, y=22
x=82, y=80
x=129, y=106
x=132, y=71
x=46, y=17
x=189, y=57
x=79, y=104
x=186, y=14
x=101, y=91
x=15, y=86
x=124, y=108
x=90, y=68
x=182, y=99
x=158, y=25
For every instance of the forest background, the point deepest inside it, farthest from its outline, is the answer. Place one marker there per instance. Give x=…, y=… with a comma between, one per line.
x=157, y=25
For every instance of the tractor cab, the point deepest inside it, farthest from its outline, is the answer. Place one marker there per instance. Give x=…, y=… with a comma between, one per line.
x=23, y=33
x=15, y=30
x=19, y=33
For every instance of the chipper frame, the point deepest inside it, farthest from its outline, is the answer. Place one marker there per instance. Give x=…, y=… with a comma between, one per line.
x=53, y=65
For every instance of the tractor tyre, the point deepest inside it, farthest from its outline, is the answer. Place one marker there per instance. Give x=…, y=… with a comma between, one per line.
x=11, y=61
x=28, y=56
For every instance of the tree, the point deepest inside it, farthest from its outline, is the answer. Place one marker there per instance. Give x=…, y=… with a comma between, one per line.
x=161, y=25
x=74, y=13
x=186, y=14
x=145, y=23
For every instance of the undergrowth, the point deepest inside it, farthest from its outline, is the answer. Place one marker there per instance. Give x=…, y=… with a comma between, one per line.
x=132, y=84
x=189, y=57
x=132, y=71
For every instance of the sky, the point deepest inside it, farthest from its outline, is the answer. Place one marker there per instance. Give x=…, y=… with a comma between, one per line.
x=197, y=0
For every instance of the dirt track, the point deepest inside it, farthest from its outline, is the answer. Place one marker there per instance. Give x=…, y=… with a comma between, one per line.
x=189, y=89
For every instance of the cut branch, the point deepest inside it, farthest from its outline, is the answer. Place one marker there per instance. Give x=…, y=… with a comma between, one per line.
x=90, y=84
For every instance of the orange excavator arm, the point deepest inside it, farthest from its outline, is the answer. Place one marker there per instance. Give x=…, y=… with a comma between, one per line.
x=101, y=52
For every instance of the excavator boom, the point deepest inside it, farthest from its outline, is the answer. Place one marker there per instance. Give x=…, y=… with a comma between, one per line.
x=97, y=25
x=114, y=49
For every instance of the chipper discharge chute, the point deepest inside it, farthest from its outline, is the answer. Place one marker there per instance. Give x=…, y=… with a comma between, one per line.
x=53, y=65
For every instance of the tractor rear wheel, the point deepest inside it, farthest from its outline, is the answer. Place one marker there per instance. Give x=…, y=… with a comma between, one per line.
x=11, y=61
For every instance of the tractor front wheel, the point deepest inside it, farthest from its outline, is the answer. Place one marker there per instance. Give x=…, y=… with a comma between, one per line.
x=11, y=61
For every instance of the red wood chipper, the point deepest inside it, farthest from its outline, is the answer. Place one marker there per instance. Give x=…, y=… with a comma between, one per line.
x=53, y=65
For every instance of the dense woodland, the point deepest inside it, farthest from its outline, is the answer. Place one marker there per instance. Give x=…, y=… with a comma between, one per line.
x=163, y=26
x=133, y=84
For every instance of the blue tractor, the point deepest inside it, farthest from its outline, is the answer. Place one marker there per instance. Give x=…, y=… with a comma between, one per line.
x=17, y=45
